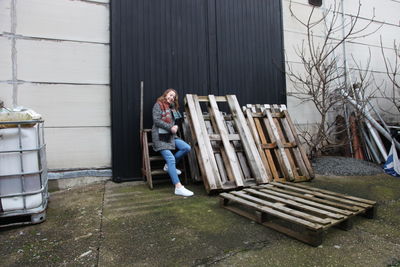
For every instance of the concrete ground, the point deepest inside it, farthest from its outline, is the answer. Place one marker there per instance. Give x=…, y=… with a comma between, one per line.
x=127, y=224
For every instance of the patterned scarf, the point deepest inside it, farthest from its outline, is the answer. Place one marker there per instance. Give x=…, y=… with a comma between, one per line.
x=166, y=111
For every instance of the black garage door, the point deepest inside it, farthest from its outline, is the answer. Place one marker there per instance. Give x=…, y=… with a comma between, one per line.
x=195, y=46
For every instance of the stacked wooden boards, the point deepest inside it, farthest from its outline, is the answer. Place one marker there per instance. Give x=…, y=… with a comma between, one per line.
x=300, y=211
x=278, y=143
x=236, y=148
x=226, y=153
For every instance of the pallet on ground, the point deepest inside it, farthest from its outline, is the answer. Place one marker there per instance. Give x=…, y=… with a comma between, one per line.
x=226, y=153
x=21, y=219
x=299, y=211
x=278, y=143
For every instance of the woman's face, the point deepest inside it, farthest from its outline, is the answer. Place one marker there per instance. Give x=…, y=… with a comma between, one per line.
x=170, y=97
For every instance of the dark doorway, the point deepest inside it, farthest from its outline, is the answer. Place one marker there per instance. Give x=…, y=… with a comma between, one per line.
x=195, y=46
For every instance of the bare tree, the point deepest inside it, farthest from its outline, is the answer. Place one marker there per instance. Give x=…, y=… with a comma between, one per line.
x=393, y=73
x=324, y=71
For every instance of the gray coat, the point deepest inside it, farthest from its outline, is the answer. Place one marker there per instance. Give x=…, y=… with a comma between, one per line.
x=157, y=124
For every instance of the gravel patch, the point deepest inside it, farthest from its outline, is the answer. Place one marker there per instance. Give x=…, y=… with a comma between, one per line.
x=341, y=166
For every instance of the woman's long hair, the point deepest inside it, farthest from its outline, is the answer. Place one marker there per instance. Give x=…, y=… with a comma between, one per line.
x=176, y=100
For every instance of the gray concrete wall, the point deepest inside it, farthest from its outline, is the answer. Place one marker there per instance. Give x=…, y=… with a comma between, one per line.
x=55, y=60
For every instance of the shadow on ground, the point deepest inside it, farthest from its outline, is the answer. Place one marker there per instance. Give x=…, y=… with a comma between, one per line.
x=128, y=225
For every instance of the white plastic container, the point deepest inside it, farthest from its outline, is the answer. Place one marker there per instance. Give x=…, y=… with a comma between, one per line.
x=23, y=171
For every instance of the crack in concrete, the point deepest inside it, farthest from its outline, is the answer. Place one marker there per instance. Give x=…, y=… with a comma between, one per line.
x=101, y=236
x=213, y=260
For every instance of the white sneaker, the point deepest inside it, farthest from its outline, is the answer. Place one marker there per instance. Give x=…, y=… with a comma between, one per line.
x=182, y=191
x=177, y=170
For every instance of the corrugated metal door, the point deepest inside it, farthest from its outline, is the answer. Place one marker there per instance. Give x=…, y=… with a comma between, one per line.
x=195, y=46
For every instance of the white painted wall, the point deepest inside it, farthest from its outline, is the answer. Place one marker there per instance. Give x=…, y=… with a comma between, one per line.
x=386, y=16
x=55, y=59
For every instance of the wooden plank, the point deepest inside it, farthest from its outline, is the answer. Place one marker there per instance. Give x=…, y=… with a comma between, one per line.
x=257, y=140
x=149, y=178
x=248, y=144
x=218, y=155
x=276, y=151
x=277, y=206
x=267, y=152
x=239, y=151
x=233, y=162
x=322, y=204
x=285, y=161
x=206, y=99
x=296, y=150
x=363, y=200
x=273, y=212
x=297, y=204
x=284, y=143
x=197, y=148
x=231, y=137
x=193, y=166
x=322, y=195
x=302, y=151
x=210, y=169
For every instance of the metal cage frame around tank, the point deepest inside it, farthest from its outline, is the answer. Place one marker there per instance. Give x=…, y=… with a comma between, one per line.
x=27, y=215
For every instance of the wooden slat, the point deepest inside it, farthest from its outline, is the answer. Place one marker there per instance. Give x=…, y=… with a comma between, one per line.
x=218, y=154
x=267, y=152
x=297, y=204
x=147, y=168
x=363, y=200
x=285, y=161
x=239, y=151
x=257, y=140
x=277, y=206
x=194, y=167
x=320, y=203
x=210, y=168
x=284, y=143
x=322, y=195
x=248, y=144
x=303, y=153
x=278, y=214
x=231, y=137
x=206, y=99
x=233, y=162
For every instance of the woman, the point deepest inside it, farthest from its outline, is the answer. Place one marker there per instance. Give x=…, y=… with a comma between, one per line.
x=165, y=112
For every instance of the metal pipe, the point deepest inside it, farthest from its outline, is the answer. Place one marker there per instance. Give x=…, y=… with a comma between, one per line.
x=371, y=120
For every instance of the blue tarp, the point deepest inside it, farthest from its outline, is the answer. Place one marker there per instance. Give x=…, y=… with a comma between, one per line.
x=392, y=165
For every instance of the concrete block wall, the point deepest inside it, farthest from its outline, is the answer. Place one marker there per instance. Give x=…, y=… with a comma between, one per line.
x=55, y=58
x=385, y=19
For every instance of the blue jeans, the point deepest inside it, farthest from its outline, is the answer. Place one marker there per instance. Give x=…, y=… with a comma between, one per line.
x=172, y=160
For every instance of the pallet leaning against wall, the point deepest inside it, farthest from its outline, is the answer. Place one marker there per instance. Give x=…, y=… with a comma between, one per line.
x=299, y=211
x=225, y=149
x=278, y=143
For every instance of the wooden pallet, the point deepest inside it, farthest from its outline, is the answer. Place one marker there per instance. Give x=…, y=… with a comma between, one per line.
x=299, y=211
x=226, y=153
x=153, y=162
x=278, y=143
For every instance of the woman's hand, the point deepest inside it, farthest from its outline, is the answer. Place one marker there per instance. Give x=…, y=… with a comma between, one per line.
x=174, y=129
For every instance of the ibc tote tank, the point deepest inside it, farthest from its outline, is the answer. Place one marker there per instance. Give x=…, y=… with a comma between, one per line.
x=23, y=169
